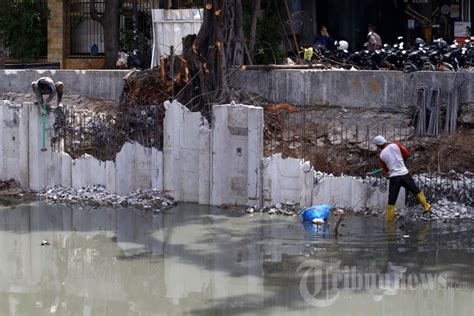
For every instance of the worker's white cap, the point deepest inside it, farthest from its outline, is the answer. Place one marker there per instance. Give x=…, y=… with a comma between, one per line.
x=379, y=140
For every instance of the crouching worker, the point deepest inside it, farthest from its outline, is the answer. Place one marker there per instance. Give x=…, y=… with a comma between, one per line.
x=46, y=86
x=392, y=157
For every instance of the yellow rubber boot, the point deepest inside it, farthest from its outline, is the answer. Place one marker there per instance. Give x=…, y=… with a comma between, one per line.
x=422, y=200
x=390, y=213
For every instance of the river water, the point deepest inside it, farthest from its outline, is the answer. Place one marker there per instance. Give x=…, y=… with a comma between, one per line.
x=199, y=260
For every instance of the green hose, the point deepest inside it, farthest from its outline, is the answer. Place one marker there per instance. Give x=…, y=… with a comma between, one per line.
x=381, y=169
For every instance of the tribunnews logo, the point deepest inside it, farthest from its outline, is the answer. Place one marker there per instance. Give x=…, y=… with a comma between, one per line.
x=322, y=282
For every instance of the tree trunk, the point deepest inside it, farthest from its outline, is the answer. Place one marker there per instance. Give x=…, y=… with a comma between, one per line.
x=110, y=21
x=220, y=43
x=253, y=25
x=2, y=50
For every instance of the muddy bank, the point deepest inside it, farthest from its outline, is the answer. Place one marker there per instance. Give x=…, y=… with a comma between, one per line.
x=11, y=191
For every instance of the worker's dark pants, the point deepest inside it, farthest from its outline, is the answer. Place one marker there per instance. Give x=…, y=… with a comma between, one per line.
x=396, y=183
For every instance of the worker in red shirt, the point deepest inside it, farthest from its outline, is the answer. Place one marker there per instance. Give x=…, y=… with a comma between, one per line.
x=392, y=157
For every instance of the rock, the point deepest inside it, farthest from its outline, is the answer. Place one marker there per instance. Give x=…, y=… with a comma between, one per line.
x=467, y=114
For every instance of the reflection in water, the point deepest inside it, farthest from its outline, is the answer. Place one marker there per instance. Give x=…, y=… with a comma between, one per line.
x=199, y=260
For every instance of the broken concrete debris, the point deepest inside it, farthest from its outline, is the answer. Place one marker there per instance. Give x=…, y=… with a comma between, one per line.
x=443, y=210
x=97, y=195
x=288, y=209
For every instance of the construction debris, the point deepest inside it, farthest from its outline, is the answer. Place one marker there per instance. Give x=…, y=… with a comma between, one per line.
x=442, y=210
x=98, y=196
x=288, y=209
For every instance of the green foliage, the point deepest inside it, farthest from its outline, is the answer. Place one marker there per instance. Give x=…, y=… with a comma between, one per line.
x=24, y=23
x=269, y=35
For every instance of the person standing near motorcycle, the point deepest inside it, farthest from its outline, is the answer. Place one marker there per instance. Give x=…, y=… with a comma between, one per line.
x=373, y=39
x=324, y=39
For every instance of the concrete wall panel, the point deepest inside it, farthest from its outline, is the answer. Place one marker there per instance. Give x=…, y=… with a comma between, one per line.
x=105, y=84
x=236, y=154
x=365, y=89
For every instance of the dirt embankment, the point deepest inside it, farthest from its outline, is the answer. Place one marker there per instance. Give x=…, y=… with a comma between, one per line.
x=11, y=193
x=339, y=141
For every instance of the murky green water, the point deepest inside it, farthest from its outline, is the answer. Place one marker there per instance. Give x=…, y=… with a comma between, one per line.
x=202, y=261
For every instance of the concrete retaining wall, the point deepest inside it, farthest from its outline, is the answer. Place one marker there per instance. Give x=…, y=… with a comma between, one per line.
x=103, y=84
x=9, y=140
x=366, y=89
x=22, y=159
x=186, y=153
x=287, y=180
x=292, y=180
x=222, y=165
x=353, y=193
x=236, y=152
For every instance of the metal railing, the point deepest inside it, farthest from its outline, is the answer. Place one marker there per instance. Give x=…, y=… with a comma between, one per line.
x=86, y=36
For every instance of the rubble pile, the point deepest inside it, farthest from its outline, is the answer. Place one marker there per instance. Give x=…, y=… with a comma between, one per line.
x=288, y=209
x=452, y=187
x=451, y=197
x=97, y=195
x=442, y=210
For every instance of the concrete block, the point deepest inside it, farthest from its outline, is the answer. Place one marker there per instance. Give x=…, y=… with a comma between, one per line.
x=365, y=89
x=283, y=186
x=39, y=161
x=54, y=168
x=104, y=84
x=307, y=181
x=24, y=146
x=3, y=175
x=77, y=176
x=123, y=169
x=171, y=152
x=9, y=140
x=140, y=167
x=359, y=195
x=255, y=155
x=157, y=169
x=96, y=171
x=181, y=153
x=66, y=170
x=220, y=160
x=204, y=165
x=110, y=183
